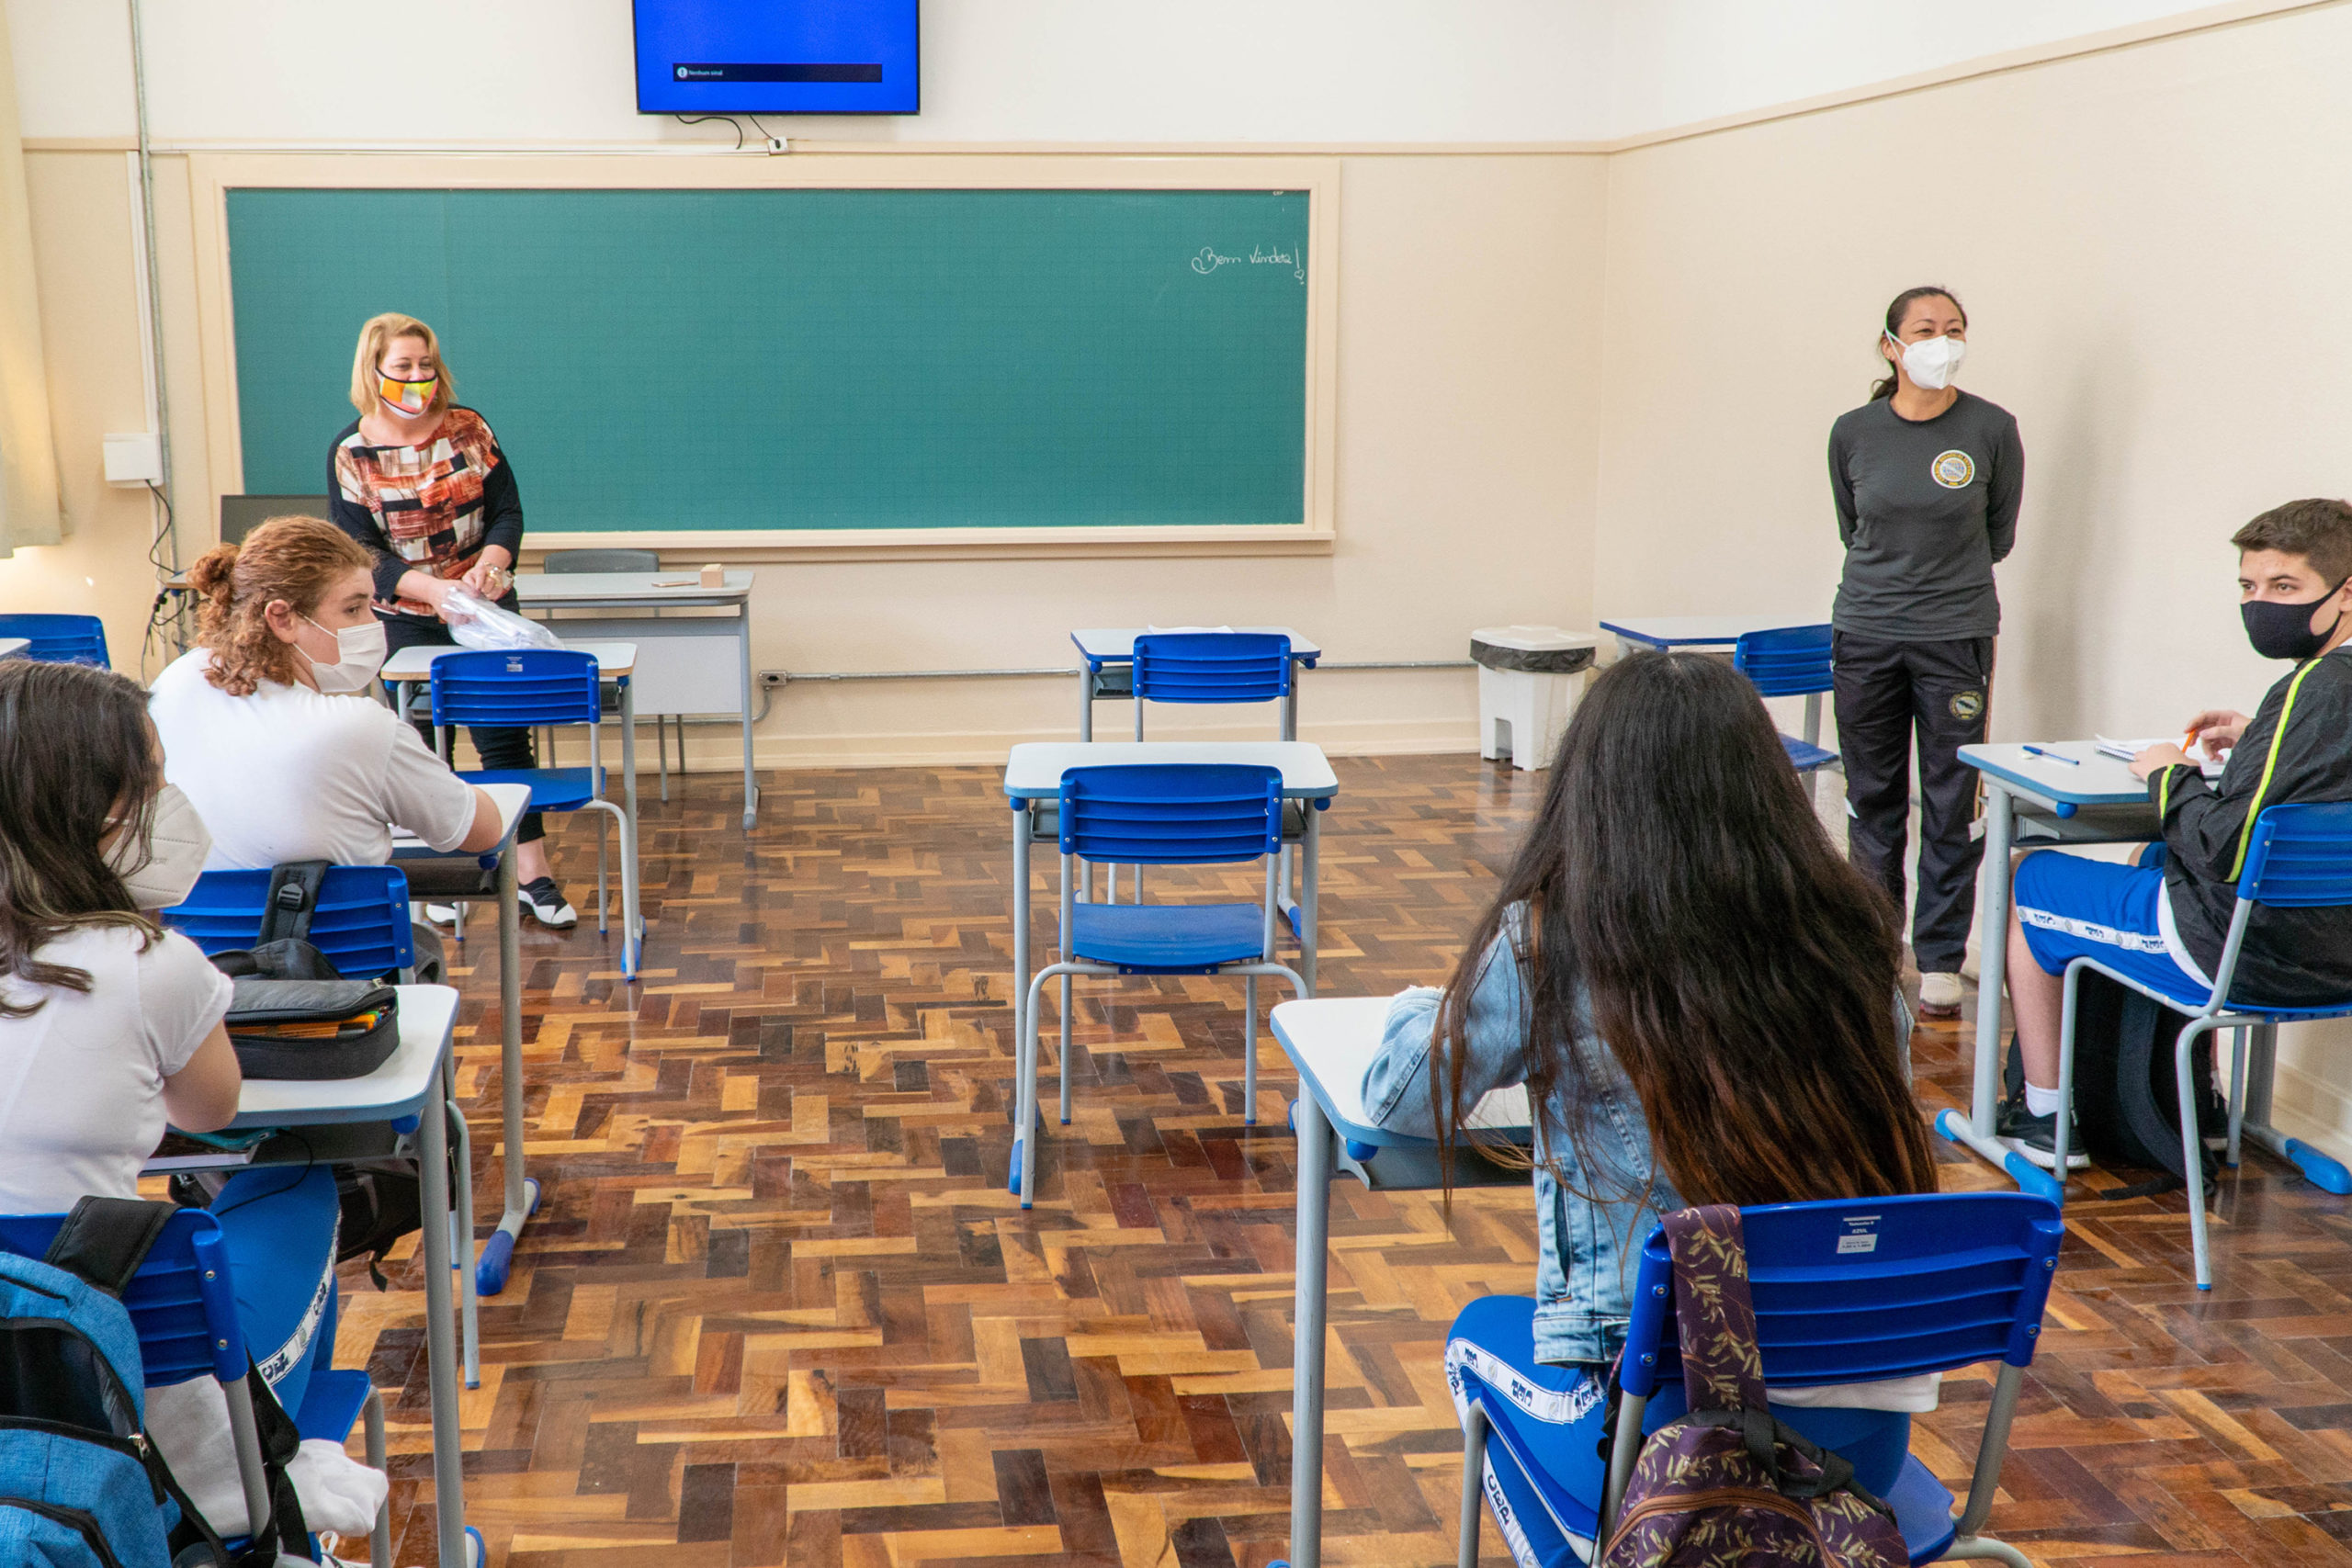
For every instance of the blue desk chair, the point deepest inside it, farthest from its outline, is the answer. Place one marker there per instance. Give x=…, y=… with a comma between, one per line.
x=361, y=922
x=1950, y=1280
x=183, y=1307
x=1792, y=661
x=61, y=639
x=524, y=689
x=1158, y=814
x=1204, y=669
x=2297, y=857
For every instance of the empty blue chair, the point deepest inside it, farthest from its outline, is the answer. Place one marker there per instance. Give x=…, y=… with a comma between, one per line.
x=183, y=1304
x=525, y=689
x=1846, y=1290
x=61, y=639
x=1792, y=661
x=361, y=922
x=1210, y=667
x=1158, y=814
x=2297, y=857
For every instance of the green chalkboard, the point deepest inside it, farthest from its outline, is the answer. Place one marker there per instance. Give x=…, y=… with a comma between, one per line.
x=697, y=361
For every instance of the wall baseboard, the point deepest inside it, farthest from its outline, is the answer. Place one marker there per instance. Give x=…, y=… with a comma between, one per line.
x=2309, y=1108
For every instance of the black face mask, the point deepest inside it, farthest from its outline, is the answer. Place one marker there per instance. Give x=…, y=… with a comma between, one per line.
x=2284, y=631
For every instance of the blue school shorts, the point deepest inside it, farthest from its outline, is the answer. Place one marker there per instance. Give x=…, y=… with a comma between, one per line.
x=2072, y=908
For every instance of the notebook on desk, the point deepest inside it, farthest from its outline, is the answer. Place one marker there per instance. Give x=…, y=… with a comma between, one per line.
x=2109, y=746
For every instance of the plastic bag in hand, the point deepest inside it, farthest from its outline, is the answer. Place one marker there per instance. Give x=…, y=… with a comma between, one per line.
x=476, y=623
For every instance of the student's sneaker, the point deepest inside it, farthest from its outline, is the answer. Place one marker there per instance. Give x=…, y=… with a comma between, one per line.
x=1940, y=996
x=2036, y=1137
x=441, y=914
x=544, y=902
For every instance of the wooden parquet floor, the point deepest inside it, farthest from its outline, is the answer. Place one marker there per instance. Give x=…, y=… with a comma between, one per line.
x=778, y=1307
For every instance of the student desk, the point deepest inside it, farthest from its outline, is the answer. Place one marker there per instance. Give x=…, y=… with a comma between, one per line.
x=1107, y=663
x=1330, y=1042
x=616, y=664
x=2032, y=802
x=12, y=647
x=490, y=874
x=687, y=663
x=1637, y=633
x=392, y=1114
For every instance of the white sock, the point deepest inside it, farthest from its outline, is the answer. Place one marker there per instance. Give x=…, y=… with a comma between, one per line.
x=2040, y=1101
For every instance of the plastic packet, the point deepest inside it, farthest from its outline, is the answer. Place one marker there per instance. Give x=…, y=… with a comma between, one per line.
x=476, y=623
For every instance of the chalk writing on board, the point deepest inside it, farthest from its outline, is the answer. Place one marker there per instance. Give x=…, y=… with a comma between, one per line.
x=1211, y=258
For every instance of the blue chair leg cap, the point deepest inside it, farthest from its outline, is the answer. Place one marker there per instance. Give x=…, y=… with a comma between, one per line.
x=476, y=1552
x=2032, y=1177
x=530, y=1194
x=2322, y=1171
x=497, y=1257
x=1951, y=1124
x=1012, y=1169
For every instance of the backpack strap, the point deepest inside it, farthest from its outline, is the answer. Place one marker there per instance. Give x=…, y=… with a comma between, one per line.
x=1721, y=1367
x=293, y=899
x=104, y=1240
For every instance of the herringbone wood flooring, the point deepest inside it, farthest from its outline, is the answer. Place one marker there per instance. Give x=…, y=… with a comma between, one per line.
x=777, y=1305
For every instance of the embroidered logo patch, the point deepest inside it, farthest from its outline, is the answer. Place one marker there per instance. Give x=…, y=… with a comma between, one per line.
x=1954, y=470
x=1967, y=706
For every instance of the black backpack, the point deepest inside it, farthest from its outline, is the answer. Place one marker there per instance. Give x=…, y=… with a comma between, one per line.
x=2125, y=1102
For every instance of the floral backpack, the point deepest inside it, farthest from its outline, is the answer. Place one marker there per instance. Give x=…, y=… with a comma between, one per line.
x=1727, y=1484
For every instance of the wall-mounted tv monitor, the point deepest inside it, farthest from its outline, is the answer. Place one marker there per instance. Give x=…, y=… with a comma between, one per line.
x=776, y=57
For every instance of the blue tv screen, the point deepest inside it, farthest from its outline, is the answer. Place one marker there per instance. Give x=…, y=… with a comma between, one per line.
x=776, y=57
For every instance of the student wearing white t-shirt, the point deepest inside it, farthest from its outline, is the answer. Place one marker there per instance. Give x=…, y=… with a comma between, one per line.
x=265, y=724
x=110, y=1026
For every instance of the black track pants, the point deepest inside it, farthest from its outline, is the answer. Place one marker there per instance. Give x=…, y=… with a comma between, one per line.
x=1887, y=691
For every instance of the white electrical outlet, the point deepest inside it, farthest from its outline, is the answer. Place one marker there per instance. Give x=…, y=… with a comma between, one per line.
x=134, y=459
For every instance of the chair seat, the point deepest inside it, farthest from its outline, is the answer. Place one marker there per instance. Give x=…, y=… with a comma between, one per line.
x=552, y=789
x=1922, y=1507
x=331, y=1404
x=1806, y=755
x=1166, y=937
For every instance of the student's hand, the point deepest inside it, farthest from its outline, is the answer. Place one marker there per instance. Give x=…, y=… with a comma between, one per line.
x=2217, y=729
x=2166, y=755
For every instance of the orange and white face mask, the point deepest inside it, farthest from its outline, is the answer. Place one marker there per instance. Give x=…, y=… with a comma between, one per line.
x=411, y=398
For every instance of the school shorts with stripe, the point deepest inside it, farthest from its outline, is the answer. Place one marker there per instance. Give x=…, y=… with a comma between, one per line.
x=2072, y=907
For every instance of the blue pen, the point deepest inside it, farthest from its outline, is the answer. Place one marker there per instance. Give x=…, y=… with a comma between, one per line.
x=2044, y=751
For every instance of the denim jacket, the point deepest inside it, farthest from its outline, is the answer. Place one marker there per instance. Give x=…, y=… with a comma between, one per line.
x=1589, y=1251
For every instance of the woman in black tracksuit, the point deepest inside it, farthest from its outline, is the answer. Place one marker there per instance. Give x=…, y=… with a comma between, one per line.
x=1927, y=480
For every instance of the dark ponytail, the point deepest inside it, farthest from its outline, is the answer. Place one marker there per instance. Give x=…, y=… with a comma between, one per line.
x=1894, y=314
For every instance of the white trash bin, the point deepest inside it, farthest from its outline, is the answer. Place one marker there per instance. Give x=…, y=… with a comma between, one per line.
x=1530, y=679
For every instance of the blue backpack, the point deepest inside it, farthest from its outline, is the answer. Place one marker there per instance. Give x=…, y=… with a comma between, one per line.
x=79, y=1487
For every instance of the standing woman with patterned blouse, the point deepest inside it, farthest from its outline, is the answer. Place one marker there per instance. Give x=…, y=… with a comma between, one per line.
x=419, y=482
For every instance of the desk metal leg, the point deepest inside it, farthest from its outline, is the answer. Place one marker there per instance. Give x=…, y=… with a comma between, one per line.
x=440, y=1339
x=1975, y=1132
x=2324, y=1171
x=750, y=785
x=1024, y=1114
x=1290, y=732
x=1086, y=686
x=633, y=872
x=1309, y=903
x=522, y=1193
x=461, y=1223
x=1315, y=1154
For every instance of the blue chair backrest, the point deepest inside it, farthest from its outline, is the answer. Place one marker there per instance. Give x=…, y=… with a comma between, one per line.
x=2300, y=857
x=60, y=639
x=1212, y=667
x=1855, y=1290
x=1788, y=662
x=361, y=922
x=182, y=1304
x=1171, y=813
x=515, y=687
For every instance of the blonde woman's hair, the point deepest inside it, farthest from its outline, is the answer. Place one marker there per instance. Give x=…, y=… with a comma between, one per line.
x=294, y=558
x=367, y=360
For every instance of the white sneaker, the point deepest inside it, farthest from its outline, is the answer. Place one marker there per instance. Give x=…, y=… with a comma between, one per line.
x=441, y=914
x=1940, y=996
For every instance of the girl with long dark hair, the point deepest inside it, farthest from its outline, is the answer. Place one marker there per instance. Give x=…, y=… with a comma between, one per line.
x=1701, y=996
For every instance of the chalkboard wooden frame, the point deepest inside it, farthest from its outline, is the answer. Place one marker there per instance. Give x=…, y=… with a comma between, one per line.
x=213, y=175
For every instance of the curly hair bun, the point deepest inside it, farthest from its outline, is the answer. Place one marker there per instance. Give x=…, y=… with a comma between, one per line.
x=210, y=576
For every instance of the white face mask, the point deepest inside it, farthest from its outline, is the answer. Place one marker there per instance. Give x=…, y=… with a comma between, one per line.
x=360, y=652
x=173, y=855
x=1931, y=363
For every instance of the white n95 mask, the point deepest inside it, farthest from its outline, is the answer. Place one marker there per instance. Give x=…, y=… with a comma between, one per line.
x=162, y=871
x=1931, y=363
x=360, y=651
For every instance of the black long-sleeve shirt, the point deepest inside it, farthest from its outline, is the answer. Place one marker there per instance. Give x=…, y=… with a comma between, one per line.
x=2297, y=747
x=428, y=508
x=1924, y=507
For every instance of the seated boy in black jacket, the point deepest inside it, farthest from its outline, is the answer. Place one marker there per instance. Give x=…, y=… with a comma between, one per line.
x=2162, y=921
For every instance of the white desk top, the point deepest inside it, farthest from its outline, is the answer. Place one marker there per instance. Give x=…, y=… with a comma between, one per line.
x=1035, y=768
x=12, y=645
x=400, y=1086
x=512, y=800
x=1332, y=1041
x=614, y=661
x=2094, y=780
x=1116, y=645
x=1674, y=631
x=560, y=588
